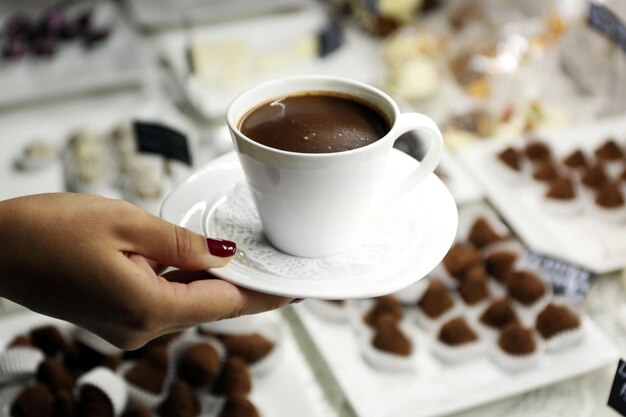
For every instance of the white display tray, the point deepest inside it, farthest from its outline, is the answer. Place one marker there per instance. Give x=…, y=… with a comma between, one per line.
x=55, y=124
x=121, y=60
x=268, y=393
x=435, y=388
x=582, y=239
x=358, y=58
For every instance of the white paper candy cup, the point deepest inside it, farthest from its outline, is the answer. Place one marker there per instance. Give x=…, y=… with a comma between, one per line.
x=431, y=325
x=566, y=338
x=386, y=361
x=19, y=362
x=516, y=363
x=459, y=353
x=109, y=383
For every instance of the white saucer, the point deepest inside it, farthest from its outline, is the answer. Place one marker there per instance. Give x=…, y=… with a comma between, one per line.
x=426, y=217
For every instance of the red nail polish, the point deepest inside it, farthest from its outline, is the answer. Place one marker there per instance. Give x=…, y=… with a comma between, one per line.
x=221, y=248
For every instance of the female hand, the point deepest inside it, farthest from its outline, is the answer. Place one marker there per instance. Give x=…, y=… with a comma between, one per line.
x=96, y=262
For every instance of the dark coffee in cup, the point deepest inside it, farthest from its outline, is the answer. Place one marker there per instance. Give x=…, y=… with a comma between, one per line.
x=314, y=122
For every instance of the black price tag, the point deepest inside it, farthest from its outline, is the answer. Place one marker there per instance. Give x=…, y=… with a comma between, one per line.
x=606, y=22
x=568, y=280
x=617, y=397
x=162, y=140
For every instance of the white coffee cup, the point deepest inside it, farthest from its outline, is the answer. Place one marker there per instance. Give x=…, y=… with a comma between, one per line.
x=314, y=204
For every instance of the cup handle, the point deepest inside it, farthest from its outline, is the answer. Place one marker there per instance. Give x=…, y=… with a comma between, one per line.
x=422, y=123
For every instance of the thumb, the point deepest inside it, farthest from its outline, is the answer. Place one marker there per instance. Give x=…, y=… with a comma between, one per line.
x=172, y=245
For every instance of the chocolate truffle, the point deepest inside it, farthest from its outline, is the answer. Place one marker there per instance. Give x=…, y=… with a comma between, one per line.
x=33, y=401
x=79, y=357
x=456, y=332
x=387, y=305
x=555, y=319
x=92, y=402
x=609, y=151
x=525, y=287
x=511, y=158
x=474, y=289
x=459, y=258
x=561, y=188
x=609, y=196
x=499, y=264
x=499, y=314
x=234, y=378
x=54, y=375
x=594, y=177
x=64, y=404
x=48, y=338
x=537, y=151
x=149, y=372
x=238, y=406
x=198, y=365
x=435, y=300
x=137, y=410
x=249, y=347
x=516, y=340
x=545, y=171
x=476, y=271
x=20, y=341
x=389, y=338
x=180, y=402
x=482, y=233
x=575, y=160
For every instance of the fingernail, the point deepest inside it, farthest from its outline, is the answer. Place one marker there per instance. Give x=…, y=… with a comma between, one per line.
x=221, y=248
x=296, y=301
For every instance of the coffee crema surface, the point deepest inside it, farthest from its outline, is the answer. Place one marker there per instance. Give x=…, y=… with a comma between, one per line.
x=314, y=123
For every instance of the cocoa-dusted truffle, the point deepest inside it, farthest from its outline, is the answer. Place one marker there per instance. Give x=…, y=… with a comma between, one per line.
x=198, y=365
x=537, y=150
x=238, y=406
x=234, y=379
x=20, y=341
x=92, y=402
x=575, y=160
x=389, y=338
x=499, y=264
x=482, y=233
x=249, y=347
x=476, y=271
x=499, y=314
x=55, y=376
x=525, y=287
x=387, y=305
x=180, y=402
x=459, y=258
x=435, y=300
x=545, y=171
x=474, y=289
x=33, y=401
x=64, y=404
x=555, y=319
x=609, y=151
x=149, y=372
x=48, y=338
x=594, y=177
x=79, y=357
x=511, y=158
x=516, y=340
x=137, y=410
x=561, y=188
x=609, y=196
x=456, y=332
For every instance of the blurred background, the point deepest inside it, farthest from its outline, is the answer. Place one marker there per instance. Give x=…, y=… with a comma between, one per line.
x=81, y=80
